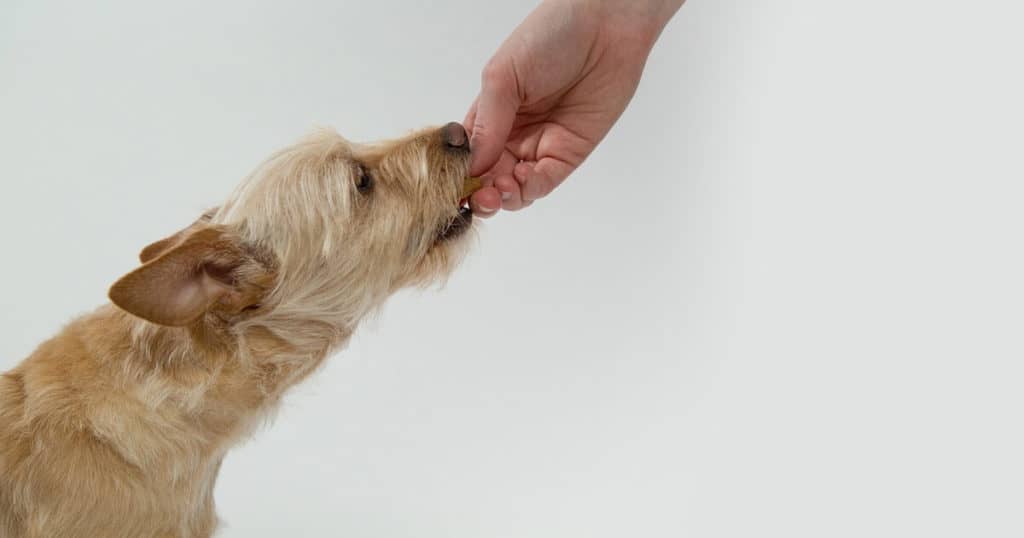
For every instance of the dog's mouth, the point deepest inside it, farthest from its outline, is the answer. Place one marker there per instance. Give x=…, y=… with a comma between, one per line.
x=464, y=218
x=458, y=225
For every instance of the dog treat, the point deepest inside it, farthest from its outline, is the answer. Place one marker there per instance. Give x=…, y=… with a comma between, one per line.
x=471, y=185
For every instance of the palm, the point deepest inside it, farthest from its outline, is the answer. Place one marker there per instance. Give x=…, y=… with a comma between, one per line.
x=572, y=86
x=558, y=134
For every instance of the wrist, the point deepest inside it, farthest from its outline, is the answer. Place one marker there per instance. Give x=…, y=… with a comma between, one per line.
x=641, y=19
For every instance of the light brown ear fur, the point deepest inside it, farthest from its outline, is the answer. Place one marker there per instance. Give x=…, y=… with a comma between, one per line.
x=159, y=247
x=182, y=282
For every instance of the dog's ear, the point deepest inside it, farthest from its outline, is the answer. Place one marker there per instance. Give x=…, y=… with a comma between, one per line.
x=200, y=270
x=159, y=247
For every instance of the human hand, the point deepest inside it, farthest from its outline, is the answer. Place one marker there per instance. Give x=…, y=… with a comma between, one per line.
x=552, y=92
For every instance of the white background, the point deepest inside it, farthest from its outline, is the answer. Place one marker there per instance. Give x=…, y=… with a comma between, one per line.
x=784, y=297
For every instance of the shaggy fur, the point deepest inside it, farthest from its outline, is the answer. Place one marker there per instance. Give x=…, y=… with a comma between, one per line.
x=117, y=426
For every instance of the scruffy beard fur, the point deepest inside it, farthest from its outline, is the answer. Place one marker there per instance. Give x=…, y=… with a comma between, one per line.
x=117, y=426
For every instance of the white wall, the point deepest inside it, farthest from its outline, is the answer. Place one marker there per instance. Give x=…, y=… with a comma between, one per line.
x=784, y=298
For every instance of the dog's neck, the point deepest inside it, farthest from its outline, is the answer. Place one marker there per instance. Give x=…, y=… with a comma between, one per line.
x=203, y=383
x=145, y=407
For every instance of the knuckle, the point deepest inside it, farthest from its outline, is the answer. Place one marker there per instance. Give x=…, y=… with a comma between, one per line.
x=480, y=130
x=494, y=73
x=536, y=191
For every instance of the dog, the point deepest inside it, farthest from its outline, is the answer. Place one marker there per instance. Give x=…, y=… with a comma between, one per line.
x=117, y=426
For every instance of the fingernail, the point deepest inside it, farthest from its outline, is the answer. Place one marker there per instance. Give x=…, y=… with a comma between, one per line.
x=506, y=195
x=486, y=209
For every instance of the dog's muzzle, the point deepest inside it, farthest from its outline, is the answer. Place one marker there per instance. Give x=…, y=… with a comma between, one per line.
x=462, y=221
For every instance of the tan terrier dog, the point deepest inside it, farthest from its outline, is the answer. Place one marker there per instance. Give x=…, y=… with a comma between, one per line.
x=117, y=426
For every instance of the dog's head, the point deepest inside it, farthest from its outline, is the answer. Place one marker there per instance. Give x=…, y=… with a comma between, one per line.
x=318, y=235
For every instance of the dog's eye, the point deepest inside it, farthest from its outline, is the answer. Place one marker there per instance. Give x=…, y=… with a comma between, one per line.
x=364, y=183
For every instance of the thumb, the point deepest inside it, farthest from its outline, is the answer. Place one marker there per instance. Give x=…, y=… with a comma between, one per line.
x=495, y=112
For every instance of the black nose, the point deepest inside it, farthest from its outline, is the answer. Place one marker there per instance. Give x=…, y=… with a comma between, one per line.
x=454, y=136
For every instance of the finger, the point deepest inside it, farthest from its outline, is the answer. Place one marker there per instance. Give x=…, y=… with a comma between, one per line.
x=485, y=202
x=538, y=179
x=470, y=117
x=495, y=113
x=508, y=187
x=501, y=177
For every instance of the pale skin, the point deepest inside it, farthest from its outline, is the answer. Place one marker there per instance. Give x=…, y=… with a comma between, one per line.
x=553, y=90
